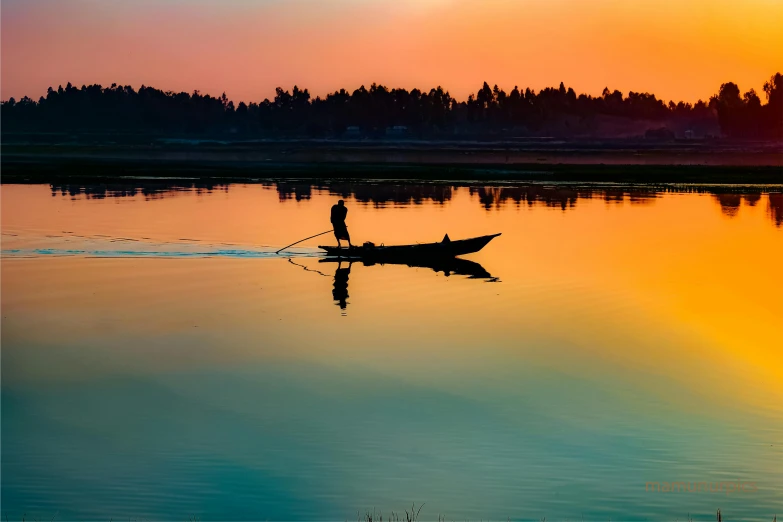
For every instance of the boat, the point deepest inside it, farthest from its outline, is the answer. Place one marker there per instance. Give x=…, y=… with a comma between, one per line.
x=444, y=250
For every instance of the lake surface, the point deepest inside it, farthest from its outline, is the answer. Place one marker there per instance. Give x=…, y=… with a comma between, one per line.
x=159, y=361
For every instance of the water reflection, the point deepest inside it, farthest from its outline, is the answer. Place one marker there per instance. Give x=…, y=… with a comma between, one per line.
x=448, y=267
x=751, y=199
x=292, y=190
x=618, y=349
x=729, y=203
x=381, y=194
x=377, y=193
x=490, y=196
x=455, y=266
x=495, y=197
x=152, y=189
x=775, y=208
x=340, y=290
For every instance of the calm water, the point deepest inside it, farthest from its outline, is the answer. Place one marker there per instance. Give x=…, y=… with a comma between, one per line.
x=160, y=362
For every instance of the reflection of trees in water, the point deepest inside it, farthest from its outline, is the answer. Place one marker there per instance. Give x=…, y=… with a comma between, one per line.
x=556, y=196
x=614, y=196
x=149, y=190
x=775, y=208
x=381, y=194
x=497, y=197
x=642, y=198
x=751, y=199
x=292, y=190
x=729, y=203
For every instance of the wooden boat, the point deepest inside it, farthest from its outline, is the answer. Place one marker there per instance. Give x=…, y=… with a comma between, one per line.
x=444, y=249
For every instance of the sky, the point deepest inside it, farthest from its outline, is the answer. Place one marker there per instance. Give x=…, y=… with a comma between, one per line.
x=676, y=49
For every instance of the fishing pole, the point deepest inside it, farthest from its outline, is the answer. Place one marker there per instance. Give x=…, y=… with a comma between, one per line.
x=305, y=239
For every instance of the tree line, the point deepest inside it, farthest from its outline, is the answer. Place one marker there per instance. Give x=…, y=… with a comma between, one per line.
x=373, y=111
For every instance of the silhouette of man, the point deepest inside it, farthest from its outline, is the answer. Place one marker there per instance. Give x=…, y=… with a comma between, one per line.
x=339, y=212
x=340, y=290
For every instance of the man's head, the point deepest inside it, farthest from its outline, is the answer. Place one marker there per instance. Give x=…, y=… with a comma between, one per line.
x=341, y=203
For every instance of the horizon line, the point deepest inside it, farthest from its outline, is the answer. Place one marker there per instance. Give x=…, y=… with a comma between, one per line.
x=350, y=91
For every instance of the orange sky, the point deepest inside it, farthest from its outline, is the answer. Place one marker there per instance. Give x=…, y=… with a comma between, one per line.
x=680, y=49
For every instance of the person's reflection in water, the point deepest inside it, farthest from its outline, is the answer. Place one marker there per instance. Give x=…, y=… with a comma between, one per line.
x=340, y=291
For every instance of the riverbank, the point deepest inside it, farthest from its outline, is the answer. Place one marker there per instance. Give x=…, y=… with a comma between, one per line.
x=583, y=161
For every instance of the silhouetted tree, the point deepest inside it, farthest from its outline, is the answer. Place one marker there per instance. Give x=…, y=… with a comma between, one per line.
x=121, y=109
x=745, y=116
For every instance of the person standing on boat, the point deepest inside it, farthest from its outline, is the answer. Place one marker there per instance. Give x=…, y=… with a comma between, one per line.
x=339, y=213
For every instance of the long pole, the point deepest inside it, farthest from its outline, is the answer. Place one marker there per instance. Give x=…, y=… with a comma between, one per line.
x=305, y=239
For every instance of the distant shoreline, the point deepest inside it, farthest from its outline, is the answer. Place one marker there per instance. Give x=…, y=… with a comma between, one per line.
x=614, y=161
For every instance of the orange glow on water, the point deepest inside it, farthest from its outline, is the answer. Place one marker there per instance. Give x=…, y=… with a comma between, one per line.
x=669, y=294
x=628, y=332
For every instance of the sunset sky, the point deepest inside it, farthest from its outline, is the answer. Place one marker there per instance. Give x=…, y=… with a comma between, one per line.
x=676, y=49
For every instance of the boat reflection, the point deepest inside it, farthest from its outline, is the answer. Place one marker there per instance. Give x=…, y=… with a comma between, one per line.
x=452, y=266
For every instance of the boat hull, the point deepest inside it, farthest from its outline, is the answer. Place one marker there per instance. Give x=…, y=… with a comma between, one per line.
x=421, y=251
